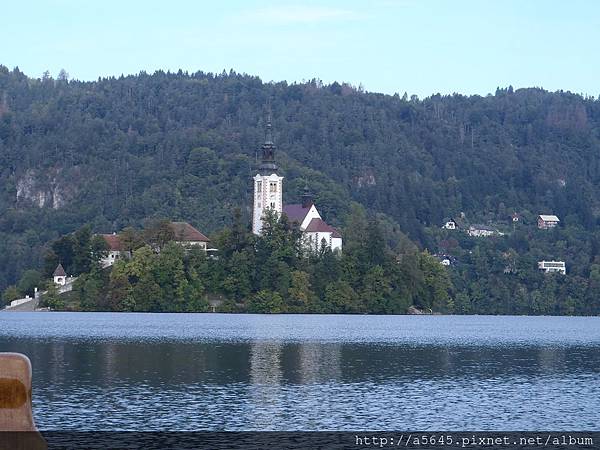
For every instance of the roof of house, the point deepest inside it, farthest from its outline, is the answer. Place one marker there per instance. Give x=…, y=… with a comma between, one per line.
x=59, y=271
x=549, y=218
x=319, y=226
x=113, y=242
x=185, y=232
x=296, y=212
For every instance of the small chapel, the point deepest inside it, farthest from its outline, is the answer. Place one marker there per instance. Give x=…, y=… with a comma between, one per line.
x=268, y=195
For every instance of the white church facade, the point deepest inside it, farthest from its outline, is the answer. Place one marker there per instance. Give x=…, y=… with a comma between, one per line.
x=268, y=195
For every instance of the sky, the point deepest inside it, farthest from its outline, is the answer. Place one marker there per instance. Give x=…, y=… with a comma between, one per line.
x=421, y=47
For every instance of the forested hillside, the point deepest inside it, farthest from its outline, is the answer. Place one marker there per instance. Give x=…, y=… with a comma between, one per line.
x=119, y=151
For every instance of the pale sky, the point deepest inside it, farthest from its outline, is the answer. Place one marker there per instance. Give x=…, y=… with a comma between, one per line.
x=417, y=46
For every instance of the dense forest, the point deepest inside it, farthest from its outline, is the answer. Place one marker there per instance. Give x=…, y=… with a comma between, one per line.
x=119, y=152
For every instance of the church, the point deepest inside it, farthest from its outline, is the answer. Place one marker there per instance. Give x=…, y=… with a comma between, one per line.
x=268, y=194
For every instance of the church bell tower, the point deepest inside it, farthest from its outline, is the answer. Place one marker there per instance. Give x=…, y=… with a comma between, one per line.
x=268, y=186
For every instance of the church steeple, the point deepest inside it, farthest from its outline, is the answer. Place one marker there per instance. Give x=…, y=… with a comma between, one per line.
x=268, y=150
x=268, y=185
x=269, y=131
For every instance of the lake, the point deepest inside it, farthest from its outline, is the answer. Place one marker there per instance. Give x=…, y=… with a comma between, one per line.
x=117, y=371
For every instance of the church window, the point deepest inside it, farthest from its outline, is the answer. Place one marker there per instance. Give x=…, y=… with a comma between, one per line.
x=272, y=205
x=273, y=186
x=259, y=186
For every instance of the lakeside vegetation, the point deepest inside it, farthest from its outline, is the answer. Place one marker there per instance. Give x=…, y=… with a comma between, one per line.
x=118, y=152
x=271, y=273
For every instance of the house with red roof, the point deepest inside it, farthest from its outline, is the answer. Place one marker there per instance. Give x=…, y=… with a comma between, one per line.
x=188, y=236
x=114, y=247
x=183, y=233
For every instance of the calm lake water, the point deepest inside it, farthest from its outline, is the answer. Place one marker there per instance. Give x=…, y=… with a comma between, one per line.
x=110, y=371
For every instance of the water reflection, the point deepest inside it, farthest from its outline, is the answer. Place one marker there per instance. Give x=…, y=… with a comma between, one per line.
x=283, y=384
x=319, y=362
x=264, y=388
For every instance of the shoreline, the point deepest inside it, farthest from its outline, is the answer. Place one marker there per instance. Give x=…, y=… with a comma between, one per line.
x=293, y=314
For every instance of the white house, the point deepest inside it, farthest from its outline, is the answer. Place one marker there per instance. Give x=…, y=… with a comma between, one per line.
x=552, y=267
x=268, y=195
x=450, y=225
x=114, y=249
x=445, y=260
x=60, y=276
x=481, y=231
x=547, y=221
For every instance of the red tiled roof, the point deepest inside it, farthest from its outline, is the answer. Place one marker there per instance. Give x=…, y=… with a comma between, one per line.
x=295, y=213
x=187, y=233
x=113, y=242
x=59, y=271
x=319, y=226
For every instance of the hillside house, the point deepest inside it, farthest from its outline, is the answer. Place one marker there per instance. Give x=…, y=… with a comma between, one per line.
x=481, y=231
x=552, y=267
x=114, y=249
x=450, y=224
x=445, y=260
x=545, y=222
